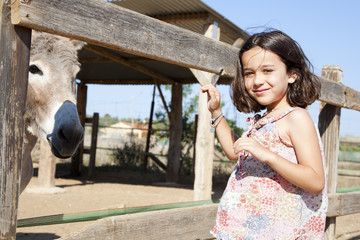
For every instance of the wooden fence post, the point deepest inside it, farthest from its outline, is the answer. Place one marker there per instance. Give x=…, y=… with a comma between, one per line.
x=47, y=166
x=46, y=173
x=329, y=128
x=76, y=160
x=204, y=148
x=173, y=165
x=14, y=64
x=94, y=134
x=148, y=136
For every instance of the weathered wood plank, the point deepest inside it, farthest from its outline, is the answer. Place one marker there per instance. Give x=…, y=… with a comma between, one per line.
x=343, y=204
x=14, y=65
x=182, y=223
x=352, y=99
x=332, y=92
x=204, y=149
x=113, y=27
x=106, y=24
x=94, y=134
x=47, y=166
x=174, y=153
x=329, y=128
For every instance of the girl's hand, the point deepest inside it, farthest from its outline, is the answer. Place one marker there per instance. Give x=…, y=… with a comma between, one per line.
x=252, y=146
x=213, y=97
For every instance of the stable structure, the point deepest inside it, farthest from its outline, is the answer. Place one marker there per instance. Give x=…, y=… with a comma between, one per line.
x=108, y=66
x=148, y=38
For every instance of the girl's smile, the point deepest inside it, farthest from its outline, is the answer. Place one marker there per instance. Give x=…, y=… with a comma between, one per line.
x=260, y=92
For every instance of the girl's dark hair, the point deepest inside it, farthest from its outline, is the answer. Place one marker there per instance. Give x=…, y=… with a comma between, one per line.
x=303, y=92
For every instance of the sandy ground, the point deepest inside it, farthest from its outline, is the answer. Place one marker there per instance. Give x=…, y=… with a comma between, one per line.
x=109, y=190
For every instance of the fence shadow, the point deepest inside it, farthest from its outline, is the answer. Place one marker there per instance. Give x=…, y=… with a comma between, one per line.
x=36, y=236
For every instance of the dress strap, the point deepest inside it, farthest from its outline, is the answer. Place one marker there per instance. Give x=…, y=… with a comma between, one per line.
x=258, y=122
x=284, y=114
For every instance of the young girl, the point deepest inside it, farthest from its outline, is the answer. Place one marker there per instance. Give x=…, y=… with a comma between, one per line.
x=278, y=188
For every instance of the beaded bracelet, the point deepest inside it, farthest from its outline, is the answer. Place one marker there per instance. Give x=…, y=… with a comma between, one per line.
x=213, y=126
x=212, y=121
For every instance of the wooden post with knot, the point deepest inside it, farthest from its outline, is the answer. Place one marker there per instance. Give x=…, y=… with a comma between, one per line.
x=329, y=128
x=14, y=61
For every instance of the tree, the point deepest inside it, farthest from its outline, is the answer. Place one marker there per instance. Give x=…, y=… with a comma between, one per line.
x=190, y=108
x=107, y=120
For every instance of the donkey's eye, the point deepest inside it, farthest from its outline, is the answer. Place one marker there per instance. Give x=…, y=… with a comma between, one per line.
x=34, y=69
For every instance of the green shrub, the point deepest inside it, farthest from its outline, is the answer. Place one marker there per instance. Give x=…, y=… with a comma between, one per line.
x=130, y=156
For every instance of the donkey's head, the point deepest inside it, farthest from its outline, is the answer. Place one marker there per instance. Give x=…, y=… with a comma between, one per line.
x=51, y=112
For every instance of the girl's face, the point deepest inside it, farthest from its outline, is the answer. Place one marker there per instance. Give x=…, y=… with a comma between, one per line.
x=266, y=78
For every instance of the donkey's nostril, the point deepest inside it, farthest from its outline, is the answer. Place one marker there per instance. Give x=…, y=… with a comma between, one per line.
x=49, y=138
x=67, y=132
x=62, y=135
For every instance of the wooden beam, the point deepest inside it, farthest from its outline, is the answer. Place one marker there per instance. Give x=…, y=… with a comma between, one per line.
x=343, y=204
x=149, y=81
x=183, y=17
x=111, y=26
x=119, y=59
x=95, y=21
x=14, y=60
x=339, y=95
x=104, y=59
x=181, y=223
x=352, y=98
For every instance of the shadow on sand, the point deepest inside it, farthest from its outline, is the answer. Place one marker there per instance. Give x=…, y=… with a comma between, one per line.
x=37, y=236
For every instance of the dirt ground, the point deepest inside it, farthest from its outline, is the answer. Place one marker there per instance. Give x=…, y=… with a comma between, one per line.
x=118, y=189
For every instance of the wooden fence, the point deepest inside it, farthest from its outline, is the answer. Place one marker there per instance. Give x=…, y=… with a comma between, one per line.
x=93, y=22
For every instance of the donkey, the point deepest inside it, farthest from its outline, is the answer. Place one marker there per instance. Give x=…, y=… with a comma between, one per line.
x=51, y=112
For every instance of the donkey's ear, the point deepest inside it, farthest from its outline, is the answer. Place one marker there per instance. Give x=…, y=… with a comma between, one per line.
x=78, y=45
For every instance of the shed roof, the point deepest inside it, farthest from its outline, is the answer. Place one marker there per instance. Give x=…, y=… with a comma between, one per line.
x=189, y=14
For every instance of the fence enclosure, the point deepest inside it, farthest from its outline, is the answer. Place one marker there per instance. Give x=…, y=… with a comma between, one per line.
x=94, y=23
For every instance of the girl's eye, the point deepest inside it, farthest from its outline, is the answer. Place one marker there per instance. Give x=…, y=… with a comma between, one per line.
x=34, y=69
x=268, y=70
x=247, y=74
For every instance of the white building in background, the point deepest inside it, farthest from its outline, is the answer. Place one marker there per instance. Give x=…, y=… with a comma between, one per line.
x=126, y=129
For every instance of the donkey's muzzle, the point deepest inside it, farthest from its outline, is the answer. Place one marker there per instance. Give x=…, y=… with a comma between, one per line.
x=67, y=133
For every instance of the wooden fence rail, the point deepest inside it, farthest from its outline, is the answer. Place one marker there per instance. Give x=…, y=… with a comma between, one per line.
x=94, y=22
x=183, y=223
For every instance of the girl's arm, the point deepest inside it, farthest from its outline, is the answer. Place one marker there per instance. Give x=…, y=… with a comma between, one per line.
x=308, y=174
x=224, y=134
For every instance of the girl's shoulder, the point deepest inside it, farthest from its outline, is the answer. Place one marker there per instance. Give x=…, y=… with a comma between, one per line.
x=299, y=116
x=294, y=116
x=299, y=123
x=295, y=123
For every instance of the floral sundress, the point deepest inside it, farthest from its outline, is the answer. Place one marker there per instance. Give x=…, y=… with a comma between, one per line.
x=258, y=203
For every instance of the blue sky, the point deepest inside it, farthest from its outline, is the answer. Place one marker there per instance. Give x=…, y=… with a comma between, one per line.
x=327, y=30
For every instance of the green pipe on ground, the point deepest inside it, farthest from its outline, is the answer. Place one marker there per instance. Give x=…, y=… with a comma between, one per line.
x=91, y=216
